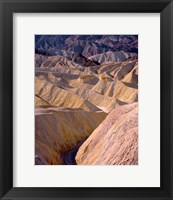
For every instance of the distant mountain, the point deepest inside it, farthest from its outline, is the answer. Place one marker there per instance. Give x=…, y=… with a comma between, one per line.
x=87, y=45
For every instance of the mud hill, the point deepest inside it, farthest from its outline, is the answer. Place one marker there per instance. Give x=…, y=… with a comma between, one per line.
x=112, y=84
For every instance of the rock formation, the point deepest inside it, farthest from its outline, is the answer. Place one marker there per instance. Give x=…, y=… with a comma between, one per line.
x=114, y=141
x=83, y=61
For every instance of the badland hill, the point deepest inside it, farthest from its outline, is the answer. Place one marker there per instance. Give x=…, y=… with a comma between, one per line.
x=86, y=94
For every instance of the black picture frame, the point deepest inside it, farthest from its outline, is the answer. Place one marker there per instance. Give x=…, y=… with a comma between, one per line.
x=7, y=8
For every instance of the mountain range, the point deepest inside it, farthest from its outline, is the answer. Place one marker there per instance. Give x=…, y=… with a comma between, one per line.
x=87, y=45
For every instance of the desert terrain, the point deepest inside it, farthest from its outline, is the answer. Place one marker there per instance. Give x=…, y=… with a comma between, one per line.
x=86, y=99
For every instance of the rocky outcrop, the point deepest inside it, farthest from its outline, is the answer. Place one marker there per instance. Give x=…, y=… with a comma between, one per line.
x=114, y=141
x=83, y=61
x=59, y=130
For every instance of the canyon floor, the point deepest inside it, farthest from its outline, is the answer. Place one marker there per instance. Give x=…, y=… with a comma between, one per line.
x=86, y=109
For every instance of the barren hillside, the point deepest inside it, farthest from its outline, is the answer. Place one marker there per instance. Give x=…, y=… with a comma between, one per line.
x=86, y=94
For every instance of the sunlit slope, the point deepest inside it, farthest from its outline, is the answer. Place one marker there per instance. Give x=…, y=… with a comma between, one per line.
x=115, y=141
x=57, y=96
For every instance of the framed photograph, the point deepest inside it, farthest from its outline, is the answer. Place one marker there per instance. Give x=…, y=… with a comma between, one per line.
x=86, y=99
